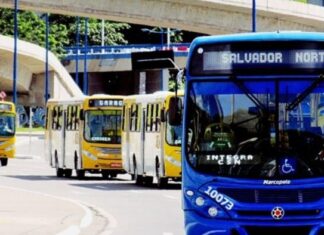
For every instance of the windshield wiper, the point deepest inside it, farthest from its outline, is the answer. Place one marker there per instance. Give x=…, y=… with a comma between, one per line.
x=305, y=93
x=247, y=92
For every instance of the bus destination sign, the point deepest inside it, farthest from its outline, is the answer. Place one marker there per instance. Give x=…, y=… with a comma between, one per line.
x=5, y=107
x=106, y=103
x=258, y=58
x=226, y=60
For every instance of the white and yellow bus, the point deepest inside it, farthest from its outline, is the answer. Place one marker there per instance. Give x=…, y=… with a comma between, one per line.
x=151, y=147
x=84, y=134
x=7, y=131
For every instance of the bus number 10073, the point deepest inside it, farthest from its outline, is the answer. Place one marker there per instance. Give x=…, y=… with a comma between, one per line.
x=219, y=198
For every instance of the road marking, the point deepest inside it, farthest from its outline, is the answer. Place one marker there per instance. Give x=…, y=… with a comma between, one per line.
x=73, y=229
x=102, y=187
x=170, y=196
x=167, y=233
x=85, y=221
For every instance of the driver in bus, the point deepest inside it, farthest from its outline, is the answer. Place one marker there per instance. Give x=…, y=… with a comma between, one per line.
x=4, y=128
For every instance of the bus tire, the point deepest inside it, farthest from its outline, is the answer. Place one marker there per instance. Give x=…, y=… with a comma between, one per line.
x=161, y=181
x=59, y=171
x=4, y=161
x=138, y=178
x=80, y=174
x=148, y=180
x=105, y=174
x=68, y=173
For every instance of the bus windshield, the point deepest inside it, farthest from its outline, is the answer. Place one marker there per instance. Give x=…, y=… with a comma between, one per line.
x=173, y=134
x=103, y=126
x=7, y=125
x=254, y=128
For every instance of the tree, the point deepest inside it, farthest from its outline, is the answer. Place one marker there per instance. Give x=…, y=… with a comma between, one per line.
x=113, y=31
x=31, y=28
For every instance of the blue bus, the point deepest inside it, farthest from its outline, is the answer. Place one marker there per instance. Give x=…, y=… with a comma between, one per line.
x=253, y=148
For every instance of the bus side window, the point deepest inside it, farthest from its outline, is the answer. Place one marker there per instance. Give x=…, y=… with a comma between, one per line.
x=157, y=117
x=138, y=117
x=123, y=117
x=69, y=118
x=54, y=114
x=59, y=117
x=148, y=117
x=134, y=118
x=76, y=118
x=153, y=118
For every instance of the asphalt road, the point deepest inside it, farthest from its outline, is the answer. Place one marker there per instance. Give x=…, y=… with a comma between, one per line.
x=35, y=201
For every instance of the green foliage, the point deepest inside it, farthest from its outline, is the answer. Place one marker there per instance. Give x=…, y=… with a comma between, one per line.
x=172, y=82
x=112, y=32
x=31, y=28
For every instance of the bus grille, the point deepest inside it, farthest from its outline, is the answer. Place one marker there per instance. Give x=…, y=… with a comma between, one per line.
x=274, y=196
x=298, y=230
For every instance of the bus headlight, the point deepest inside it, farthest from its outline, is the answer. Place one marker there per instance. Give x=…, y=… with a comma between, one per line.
x=203, y=205
x=9, y=148
x=173, y=161
x=190, y=193
x=213, y=211
x=200, y=201
x=89, y=155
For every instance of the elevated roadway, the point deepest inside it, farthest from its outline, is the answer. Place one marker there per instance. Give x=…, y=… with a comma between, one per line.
x=31, y=75
x=203, y=16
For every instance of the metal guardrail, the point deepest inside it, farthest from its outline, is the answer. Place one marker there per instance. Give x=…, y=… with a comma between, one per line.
x=71, y=52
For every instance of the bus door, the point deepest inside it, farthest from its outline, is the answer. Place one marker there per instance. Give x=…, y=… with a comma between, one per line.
x=127, y=113
x=143, y=133
x=64, y=138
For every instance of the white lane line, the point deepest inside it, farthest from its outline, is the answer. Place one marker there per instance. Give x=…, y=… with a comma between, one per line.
x=73, y=229
x=101, y=187
x=170, y=196
x=166, y=233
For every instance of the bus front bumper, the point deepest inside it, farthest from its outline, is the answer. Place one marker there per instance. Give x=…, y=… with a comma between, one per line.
x=197, y=224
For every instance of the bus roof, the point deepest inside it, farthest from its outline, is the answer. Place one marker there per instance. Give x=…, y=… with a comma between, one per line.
x=280, y=53
x=159, y=95
x=106, y=96
x=261, y=36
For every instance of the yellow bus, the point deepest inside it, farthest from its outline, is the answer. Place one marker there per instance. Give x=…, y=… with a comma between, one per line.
x=84, y=134
x=7, y=131
x=151, y=147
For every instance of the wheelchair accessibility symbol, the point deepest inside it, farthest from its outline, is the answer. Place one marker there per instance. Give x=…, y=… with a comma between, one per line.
x=287, y=168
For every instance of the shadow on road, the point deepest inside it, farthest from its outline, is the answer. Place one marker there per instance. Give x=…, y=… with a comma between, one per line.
x=114, y=185
x=105, y=184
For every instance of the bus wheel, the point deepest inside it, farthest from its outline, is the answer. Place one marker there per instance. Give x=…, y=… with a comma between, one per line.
x=68, y=173
x=138, y=178
x=105, y=174
x=80, y=174
x=148, y=180
x=4, y=161
x=161, y=182
x=59, y=171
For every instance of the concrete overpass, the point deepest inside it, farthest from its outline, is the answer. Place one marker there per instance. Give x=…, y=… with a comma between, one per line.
x=31, y=76
x=204, y=16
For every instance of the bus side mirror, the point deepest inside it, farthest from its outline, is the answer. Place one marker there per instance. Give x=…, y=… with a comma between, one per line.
x=162, y=118
x=175, y=111
x=82, y=114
